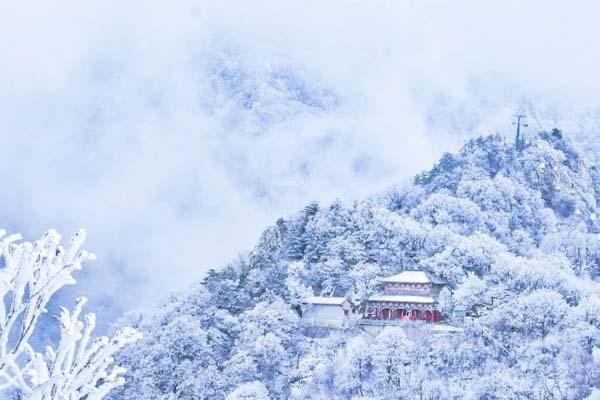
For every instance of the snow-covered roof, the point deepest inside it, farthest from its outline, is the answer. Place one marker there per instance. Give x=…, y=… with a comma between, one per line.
x=330, y=301
x=412, y=277
x=392, y=298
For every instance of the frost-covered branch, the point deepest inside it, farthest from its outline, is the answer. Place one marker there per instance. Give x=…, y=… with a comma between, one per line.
x=79, y=367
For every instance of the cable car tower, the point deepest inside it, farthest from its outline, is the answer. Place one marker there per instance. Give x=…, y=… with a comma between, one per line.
x=521, y=118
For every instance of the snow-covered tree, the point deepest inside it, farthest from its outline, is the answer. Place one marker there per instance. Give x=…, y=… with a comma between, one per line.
x=353, y=367
x=271, y=341
x=79, y=367
x=365, y=277
x=392, y=356
x=249, y=391
x=297, y=290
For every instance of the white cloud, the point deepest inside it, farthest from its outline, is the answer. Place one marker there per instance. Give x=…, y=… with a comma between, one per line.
x=176, y=131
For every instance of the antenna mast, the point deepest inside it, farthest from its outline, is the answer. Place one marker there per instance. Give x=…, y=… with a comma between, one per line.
x=521, y=118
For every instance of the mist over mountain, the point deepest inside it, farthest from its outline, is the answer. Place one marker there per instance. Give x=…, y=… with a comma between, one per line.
x=233, y=162
x=139, y=121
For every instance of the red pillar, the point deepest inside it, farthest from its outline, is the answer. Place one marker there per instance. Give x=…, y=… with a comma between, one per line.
x=428, y=316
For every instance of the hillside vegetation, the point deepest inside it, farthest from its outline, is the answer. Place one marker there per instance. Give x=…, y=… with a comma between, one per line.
x=515, y=235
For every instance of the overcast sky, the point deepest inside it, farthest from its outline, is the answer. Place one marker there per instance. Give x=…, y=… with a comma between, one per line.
x=174, y=132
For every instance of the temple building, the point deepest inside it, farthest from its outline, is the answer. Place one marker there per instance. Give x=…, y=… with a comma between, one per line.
x=327, y=312
x=410, y=295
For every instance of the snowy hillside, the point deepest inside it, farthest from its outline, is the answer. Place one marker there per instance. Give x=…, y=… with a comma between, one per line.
x=515, y=235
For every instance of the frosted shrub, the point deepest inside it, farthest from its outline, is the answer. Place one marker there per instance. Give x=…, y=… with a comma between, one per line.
x=79, y=367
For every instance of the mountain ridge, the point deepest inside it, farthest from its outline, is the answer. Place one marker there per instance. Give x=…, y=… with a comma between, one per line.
x=512, y=231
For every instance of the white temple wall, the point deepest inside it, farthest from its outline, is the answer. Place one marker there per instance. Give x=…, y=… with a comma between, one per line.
x=328, y=316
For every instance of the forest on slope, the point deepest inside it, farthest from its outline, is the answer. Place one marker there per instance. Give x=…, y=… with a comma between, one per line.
x=514, y=232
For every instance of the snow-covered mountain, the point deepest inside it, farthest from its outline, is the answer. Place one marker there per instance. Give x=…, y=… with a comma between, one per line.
x=512, y=231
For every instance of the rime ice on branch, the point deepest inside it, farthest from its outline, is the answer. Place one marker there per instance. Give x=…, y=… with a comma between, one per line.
x=79, y=367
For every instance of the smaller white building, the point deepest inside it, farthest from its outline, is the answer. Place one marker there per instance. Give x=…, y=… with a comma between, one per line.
x=327, y=312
